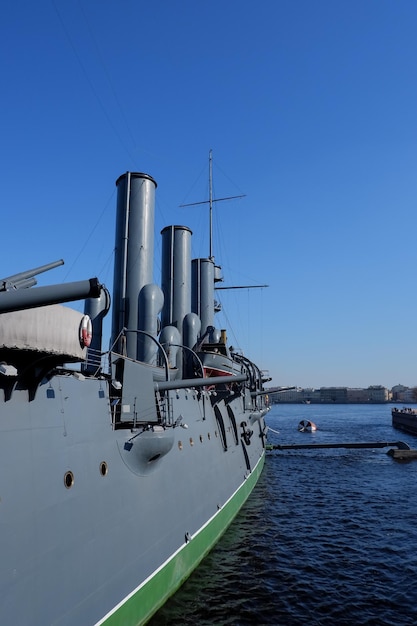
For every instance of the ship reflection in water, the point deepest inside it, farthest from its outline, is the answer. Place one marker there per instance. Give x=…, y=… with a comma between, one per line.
x=327, y=537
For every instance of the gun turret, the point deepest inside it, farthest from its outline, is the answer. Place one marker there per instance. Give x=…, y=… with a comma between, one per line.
x=26, y=279
x=19, y=299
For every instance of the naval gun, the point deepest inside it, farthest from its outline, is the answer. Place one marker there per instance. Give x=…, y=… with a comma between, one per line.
x=15, y=294
x=26, y=279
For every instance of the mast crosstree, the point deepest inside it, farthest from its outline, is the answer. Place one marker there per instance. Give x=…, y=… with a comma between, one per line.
x=210, y=203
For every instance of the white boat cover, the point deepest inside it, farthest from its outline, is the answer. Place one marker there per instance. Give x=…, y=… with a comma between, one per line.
x=53, y=329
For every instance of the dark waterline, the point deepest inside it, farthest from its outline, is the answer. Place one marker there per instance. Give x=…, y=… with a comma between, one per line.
x=327, y=537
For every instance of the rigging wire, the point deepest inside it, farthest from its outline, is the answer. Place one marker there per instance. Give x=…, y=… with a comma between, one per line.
x=98, y=98
x=90, y=235
x=229, y=179
x=106, y=72
x=108, y=118
x=93, y=89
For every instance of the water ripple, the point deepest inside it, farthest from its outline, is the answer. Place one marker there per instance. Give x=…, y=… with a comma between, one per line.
x=328, y=536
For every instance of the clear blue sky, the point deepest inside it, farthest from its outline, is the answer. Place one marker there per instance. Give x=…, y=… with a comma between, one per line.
x=310, y=109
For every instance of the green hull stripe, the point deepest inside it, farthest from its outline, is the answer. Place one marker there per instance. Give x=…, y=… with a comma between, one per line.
x=141, y=605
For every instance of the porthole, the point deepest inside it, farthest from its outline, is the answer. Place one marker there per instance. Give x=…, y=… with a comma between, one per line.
x=191, y=441
x=103, y=468
x=180, y=445
x=201, y=438
x=68, y=480
x=208, y=436
x=216, y=434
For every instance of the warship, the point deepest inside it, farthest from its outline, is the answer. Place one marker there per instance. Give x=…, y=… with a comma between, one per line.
x=121, y=465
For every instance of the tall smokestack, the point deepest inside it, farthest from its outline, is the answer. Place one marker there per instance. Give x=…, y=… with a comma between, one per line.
x=134, y=251
x=176, y=275
x=203, y=279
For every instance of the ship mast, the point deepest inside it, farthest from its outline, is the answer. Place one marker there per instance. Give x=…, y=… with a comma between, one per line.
x=210, y=202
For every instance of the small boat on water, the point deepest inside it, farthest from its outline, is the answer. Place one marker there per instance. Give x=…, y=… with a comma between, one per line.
x=405, y=419
x=307, y=426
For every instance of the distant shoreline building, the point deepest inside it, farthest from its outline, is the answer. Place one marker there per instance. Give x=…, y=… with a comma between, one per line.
x=375, y=394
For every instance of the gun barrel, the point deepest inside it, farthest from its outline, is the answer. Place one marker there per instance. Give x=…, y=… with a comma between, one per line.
x=21, y=276
x=20, y=299
x=168, y=385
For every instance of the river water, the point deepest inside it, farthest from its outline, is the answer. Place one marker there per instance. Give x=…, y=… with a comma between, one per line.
x=328, y=537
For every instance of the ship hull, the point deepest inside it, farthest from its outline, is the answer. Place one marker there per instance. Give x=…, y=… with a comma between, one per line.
x=142, y=603
x=111, y=547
